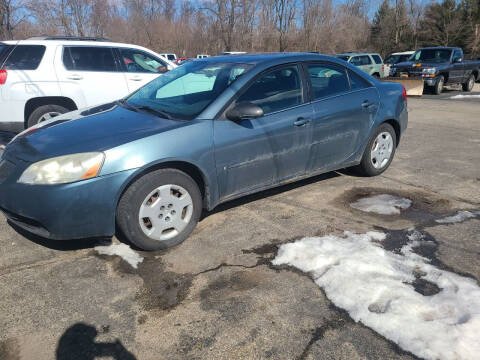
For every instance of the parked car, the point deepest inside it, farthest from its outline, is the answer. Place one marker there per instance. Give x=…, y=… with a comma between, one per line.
x=204, y=133
x=170, y=57
x=202, y=56
x=43, y=77
x=396, y=58
x=439, y=66
x=232, y=53
x=371, y=63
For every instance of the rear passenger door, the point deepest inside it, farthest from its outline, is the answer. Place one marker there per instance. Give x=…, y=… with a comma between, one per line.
x=140, y=67
x=90, y=75
x=344, y=106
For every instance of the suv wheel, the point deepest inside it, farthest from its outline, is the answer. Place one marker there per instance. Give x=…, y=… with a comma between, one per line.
x=438, y=88
x=160, y=209
x=468, y=85
x=44, y=113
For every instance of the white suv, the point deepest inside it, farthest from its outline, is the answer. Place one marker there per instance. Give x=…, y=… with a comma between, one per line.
x=44, y=77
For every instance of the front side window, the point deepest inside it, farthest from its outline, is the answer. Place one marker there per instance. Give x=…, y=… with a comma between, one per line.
x=276, y=90
x=377, y=59
x=327, y=80
x=137, y=61
x=186, y=91
x=25, y=57
x=356, y=60
x=84, y=58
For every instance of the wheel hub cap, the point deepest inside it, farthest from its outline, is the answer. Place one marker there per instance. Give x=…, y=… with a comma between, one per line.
x=381, y=150
x=48, y=116
x=165, y=212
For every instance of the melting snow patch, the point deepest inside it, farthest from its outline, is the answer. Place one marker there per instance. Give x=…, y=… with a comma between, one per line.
x=458, y=217
x=465, y=97
x=375, y=287
x=383, y=204
x=122, y=250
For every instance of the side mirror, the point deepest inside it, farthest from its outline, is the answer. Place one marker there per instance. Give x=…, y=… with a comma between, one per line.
x=244, y=110
x=457, y=60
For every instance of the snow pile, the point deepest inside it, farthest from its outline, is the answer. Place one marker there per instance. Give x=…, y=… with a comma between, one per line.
x=383, y=204
x=465, y=97
x=458, y=217
x=122, y=250
x=374, y=286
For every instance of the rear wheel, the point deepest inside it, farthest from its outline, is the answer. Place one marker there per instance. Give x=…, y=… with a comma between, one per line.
x=438, y=88
x=44, y=113
x=468, y=85
x=380, y=151
x=160, y=210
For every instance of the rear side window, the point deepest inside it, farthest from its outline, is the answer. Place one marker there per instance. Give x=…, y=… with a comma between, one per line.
x=327, y=80
x=25, y=57
x=137, y=61
x=357, y=82
x=377, y=59
x=84, y=58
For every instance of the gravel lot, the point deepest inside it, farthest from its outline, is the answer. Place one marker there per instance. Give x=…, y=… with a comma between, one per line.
x=217, y=296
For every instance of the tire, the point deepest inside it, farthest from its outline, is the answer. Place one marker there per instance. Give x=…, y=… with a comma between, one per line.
x=371, y=166
x=42, y=112
x=468, y=85
x=438, y=88
x=135, y=206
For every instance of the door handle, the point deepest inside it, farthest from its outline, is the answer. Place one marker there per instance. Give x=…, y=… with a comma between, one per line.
x=136, y=78
x=301, y=121
x=366, y=104
x=75, y=77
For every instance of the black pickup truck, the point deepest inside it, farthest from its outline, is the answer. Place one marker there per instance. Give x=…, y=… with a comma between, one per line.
x=439, y=66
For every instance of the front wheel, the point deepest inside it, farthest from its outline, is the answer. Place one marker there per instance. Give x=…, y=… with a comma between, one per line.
x=379, y=152
x=438, y=88
x=468, y=85
x=160, y=209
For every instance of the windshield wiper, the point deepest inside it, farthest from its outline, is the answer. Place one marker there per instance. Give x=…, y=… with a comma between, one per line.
x=124, y=104
x=160, y=113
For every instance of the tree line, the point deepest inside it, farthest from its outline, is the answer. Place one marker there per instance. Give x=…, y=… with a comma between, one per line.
x=190, y=27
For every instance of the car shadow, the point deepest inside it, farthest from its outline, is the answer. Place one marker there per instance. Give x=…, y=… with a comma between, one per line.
x=268, y=193
x=61, y=245
x=78, y=342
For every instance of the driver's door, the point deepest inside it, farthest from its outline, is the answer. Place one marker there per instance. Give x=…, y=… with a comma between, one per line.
x=255, y=153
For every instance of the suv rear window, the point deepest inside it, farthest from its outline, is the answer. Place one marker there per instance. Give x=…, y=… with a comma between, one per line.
x=377, y=59
x=25, y=57
x=84, y=58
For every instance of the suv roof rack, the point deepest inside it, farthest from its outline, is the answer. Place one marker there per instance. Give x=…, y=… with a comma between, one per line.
x=69, y=38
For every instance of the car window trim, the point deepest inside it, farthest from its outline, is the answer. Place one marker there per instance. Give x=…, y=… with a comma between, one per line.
x=89, y=46
x=221, y=113
x=124, y=68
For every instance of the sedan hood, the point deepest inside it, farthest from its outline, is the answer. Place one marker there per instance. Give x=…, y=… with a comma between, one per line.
x=94, y=129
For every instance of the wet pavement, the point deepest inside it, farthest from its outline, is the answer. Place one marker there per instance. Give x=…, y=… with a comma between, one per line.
x=217, y=295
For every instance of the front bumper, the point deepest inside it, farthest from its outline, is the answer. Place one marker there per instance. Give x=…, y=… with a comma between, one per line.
x=83, y=209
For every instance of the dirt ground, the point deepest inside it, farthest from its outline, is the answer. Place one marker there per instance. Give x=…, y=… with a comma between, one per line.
x=217, y=296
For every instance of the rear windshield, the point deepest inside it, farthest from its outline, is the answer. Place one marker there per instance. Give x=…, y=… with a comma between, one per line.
x=432, y=55
x=25, y=57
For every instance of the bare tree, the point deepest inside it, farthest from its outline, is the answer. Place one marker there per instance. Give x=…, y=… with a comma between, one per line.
x=284, y=11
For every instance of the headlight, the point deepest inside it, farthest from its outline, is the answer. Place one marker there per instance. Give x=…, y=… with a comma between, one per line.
x=429, y=71
x=63, y=169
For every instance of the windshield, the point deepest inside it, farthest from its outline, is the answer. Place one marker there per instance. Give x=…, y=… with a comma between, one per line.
x=186, y=91
x=343, y=57
x=432, y=55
